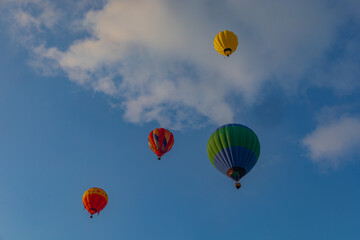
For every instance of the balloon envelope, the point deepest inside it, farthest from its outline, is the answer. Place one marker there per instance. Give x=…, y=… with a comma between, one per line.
x=160, y=141
x=94, y=200
x=233, y=149
x=225, y=42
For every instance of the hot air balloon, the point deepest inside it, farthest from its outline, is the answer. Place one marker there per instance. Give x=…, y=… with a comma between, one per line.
x=233, y=150
x=94, y=200
x=225, y=43
x=160, y=141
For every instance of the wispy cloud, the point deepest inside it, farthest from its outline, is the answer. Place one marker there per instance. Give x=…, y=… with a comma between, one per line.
x=342, y=73
x=25, y=20
x=157, y=60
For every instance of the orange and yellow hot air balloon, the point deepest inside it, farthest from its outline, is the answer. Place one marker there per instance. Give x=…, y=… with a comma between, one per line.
x=160, y=141
x=94, y=200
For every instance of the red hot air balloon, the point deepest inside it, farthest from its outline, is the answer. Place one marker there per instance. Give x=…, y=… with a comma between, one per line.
x=160, y=141
x=94, y=200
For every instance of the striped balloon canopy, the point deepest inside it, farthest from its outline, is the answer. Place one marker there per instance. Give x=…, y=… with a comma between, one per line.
x=160, y=141
x=233, y=149
x=94, y=200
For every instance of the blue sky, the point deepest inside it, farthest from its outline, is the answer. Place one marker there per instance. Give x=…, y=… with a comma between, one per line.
x=82, y=85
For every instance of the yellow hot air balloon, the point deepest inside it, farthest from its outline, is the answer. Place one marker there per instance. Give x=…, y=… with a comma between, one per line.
x=225, y=42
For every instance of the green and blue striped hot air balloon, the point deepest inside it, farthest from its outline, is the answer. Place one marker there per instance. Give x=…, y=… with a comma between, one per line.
x=233, y=149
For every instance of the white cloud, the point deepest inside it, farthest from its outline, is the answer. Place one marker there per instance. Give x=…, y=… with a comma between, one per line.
x=157, y=58
x=334, y=142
